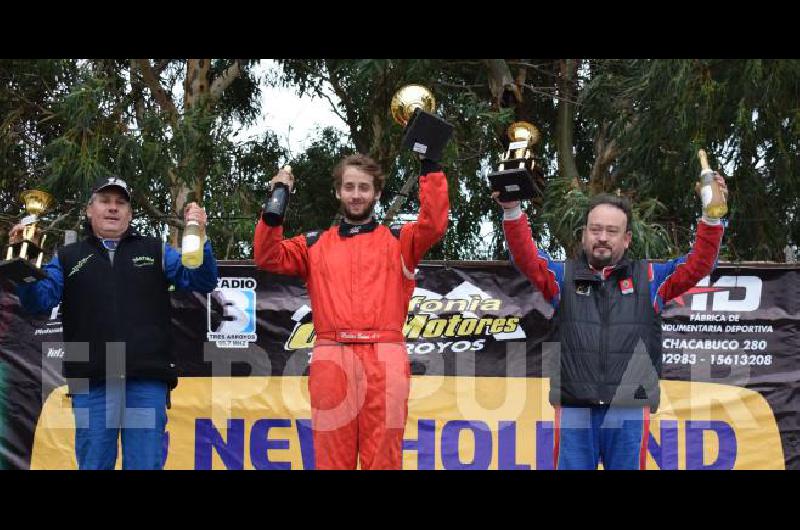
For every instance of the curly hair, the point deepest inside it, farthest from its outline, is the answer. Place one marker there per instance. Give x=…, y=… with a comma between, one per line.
x=363, y=163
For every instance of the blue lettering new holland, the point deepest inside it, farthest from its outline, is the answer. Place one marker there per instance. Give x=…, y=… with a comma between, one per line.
x=665, y=454
x=306, y=443
x=507, y=446
x=424, y=445
x=696, y=430
x=260, y=444
x=429, y=440
x=207, y=437
x=544, y=445
x=482, y=435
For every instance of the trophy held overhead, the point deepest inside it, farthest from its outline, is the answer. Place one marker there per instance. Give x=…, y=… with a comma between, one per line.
x=518, y=177
x=425, y=133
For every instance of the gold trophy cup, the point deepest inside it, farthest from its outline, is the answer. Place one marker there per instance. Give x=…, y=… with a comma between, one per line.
x=425, y=133
x=518, y=177
x=23, y=259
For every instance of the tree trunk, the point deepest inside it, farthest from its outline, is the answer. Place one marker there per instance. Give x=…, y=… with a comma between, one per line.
x=605, y=154
x=196, y=90
x=566, y=120
x=198, y=77
x=502, y=85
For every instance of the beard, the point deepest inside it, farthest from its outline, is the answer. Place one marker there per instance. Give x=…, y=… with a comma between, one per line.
x=600, y=262
x=358, y=217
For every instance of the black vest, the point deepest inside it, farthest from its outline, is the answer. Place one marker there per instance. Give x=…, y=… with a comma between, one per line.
x=105, y=305
x=610, y=341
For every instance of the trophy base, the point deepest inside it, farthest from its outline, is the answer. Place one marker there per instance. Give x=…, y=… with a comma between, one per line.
x=20, y=271
x=517, y=184
x=427, y=135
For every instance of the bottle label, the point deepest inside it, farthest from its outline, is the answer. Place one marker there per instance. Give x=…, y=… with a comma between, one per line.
x=705, y=195
x=29, y=219
x=190, y=244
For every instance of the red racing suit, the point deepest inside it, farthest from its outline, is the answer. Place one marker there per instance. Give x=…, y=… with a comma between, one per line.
x=360, y=279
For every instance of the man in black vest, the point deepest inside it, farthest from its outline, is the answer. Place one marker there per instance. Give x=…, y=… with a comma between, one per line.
x=113, y=287
x=604, y=382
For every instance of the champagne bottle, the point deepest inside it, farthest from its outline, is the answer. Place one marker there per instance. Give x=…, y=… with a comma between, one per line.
x=714, y=205
x=194, y=237
x=274, y=209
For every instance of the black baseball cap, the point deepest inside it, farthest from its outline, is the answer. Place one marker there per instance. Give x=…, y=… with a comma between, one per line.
x=112, y=181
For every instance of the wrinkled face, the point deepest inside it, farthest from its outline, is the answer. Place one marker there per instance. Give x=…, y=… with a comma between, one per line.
x=357, y=194
x=110, y=213
x=605, y=237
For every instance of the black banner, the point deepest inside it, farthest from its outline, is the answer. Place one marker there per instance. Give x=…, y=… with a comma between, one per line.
x=737, y=329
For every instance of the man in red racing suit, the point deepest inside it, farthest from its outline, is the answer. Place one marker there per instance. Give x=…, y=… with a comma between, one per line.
x=360, y=278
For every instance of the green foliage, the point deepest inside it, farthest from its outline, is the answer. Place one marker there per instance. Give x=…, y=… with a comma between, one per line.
x=313, y=204
x=27, y=124
x=65, y=122
x=743, y=112
x=111, y=123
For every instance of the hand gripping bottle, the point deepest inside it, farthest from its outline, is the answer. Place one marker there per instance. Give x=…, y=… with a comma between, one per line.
x=274, y=209
x=714, y=205
x=194, y=237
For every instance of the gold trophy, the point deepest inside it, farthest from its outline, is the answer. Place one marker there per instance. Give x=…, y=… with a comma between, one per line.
x=425, y=134
x=23, y=259
x=518, y=177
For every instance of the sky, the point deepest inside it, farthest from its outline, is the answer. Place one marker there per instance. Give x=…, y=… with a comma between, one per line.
x=291, y=117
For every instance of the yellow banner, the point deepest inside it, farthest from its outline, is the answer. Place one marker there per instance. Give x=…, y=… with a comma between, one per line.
x=453, y=423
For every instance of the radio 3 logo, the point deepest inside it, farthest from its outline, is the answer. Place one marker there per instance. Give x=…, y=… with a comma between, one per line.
x=232, y=312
